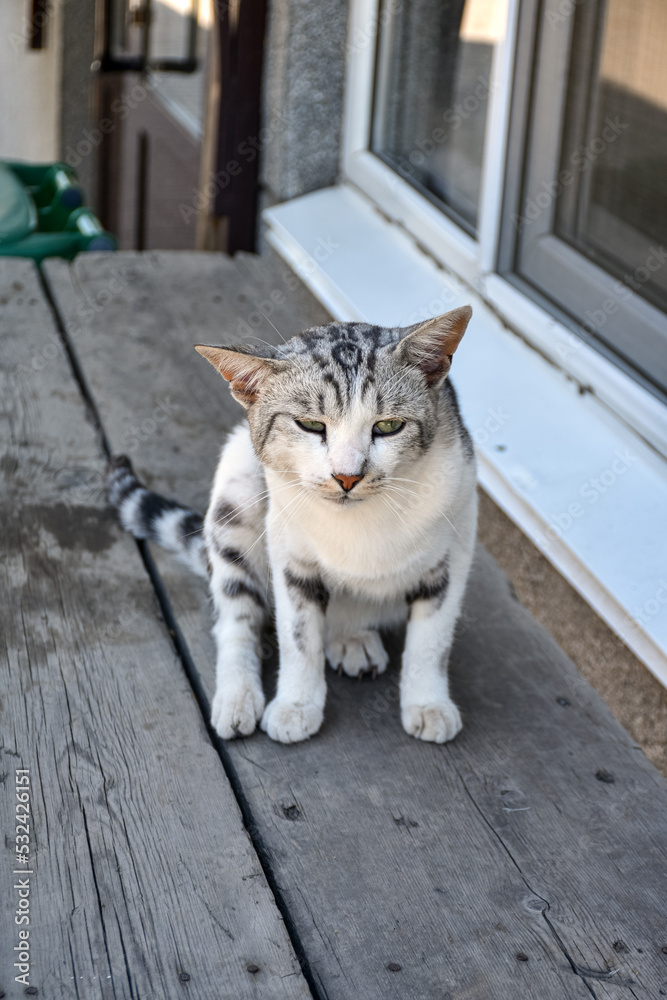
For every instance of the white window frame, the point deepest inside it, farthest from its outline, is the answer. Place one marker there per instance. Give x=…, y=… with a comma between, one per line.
x=475, y=260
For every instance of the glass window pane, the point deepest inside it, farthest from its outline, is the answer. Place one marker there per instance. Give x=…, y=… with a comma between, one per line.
x=170, y=29
x=616, y=124
x=432, y=95
x=184, y=93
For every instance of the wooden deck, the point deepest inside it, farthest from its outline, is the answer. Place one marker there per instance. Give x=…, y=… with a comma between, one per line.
x=525, y=860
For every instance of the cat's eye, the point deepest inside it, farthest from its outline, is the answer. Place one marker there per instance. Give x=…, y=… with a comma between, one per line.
x=388, y=426
x=315, y=426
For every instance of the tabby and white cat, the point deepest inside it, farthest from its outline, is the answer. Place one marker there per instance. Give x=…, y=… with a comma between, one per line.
x=346, y=502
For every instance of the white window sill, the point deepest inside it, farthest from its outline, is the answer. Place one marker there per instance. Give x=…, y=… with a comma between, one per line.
x=583, y=485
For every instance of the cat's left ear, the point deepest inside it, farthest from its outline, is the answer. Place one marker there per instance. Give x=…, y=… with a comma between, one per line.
x=430, y=347
x=245, y=372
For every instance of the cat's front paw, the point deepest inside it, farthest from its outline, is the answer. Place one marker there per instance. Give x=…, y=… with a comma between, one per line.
x=359, y=654
x=436, y=722
x=236, y=711
x=291, y=721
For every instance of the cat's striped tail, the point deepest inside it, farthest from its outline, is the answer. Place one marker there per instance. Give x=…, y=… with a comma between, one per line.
x=151, y=516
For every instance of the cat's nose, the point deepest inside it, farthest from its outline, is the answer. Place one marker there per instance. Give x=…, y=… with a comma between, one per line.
x=347, y=482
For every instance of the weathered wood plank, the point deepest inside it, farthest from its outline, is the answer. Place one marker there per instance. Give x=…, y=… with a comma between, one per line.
x=448, y=861
x=145, y=883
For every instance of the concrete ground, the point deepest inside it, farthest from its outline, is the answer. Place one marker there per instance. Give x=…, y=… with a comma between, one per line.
x=630, y=690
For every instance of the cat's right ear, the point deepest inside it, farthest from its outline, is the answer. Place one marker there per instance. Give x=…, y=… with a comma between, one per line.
x=246, y=373
x=431, y=345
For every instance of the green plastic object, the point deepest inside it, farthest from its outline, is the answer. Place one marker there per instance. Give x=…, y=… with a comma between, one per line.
x=42, y=213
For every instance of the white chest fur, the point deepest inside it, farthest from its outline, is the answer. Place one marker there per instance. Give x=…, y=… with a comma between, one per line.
x=377, y=547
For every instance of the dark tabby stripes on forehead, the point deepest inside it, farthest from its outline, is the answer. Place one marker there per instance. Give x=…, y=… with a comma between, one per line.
x=342, y=361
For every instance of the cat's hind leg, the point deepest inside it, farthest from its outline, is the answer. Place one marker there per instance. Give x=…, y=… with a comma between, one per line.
x=239, y=580
x=352, y=642
x=358, y=654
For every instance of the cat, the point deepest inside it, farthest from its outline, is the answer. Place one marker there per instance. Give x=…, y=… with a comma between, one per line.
x=345, y=502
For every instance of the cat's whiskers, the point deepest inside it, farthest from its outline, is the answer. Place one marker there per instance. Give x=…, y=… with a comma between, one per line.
x=422, y=530
x=399, y=377
x=402, y=479
x=282, y=528
x=394, y=505
x=274, y=518
x=275, y=347
x=411, y=499
x=443, y=503
x=274, y=326
x=385, y=501
x=402, y=489
x=302, y=500
x=451, y=525
x=296, y=511
x=441, y=511
x=246, y=505
x=188, y=534
x=251, y=502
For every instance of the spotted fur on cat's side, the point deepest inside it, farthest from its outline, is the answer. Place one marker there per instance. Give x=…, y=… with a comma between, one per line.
x=345, y=502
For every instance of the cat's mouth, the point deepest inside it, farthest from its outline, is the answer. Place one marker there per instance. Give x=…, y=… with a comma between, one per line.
x=343, y=500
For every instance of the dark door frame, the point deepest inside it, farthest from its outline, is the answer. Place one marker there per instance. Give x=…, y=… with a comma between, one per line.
x=241, y=29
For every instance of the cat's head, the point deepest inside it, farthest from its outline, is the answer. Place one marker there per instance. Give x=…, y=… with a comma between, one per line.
x=348, y=406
